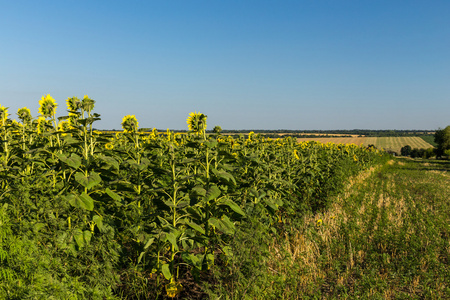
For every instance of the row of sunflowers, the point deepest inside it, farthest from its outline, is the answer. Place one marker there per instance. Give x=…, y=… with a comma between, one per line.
x=165, y=205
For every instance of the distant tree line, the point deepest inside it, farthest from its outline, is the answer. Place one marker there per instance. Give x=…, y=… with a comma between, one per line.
x=318, y=133
x=360, y=132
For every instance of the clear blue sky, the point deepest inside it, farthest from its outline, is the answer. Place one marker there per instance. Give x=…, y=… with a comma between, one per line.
x=246, y=64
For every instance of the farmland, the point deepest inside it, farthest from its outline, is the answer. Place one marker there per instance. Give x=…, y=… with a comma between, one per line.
x=134, y=215
x=387, y=143
x=138, y=216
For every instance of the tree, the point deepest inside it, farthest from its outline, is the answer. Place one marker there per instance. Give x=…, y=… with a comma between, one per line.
x=217, y=129
x=406, y=150
x=442, y=139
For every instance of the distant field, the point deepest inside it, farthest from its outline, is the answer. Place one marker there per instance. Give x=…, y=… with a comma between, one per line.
x=387, y=143
x=337, y=140
x=396, y=143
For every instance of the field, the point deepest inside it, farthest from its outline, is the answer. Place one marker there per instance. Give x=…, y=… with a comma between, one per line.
x=133, y=215
x=386, y=143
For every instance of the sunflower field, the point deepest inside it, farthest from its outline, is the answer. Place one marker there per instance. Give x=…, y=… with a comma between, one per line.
x=142, y=213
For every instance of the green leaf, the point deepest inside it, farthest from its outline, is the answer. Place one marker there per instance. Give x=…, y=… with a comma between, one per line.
x=98, y=220
x=74, y=161
x=110, y=161
x=79, y=238
x=210, y=143
x=70, y=140
x=270, y=203
x=172, y=239
x=140, y=257
x=228, y=224
x=224, y=227
x=224, y=176
x=196, y=227
x=149, y=243
x=198, y=191
x=113, y=195
x=231, y=204
x=83, y=201
x=166, y=271
x=88, y=202
x=87, y=235
x=212, y=193
x=88, y=181
x=38, y=226
x=193, y=260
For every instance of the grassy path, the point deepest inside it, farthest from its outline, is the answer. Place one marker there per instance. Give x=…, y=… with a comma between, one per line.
x=386, y=237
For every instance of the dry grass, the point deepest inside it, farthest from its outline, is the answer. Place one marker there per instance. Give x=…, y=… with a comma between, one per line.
x=320, y=241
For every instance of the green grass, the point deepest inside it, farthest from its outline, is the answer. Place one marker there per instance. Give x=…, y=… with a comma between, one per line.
x=386, y=237
x=429, y=139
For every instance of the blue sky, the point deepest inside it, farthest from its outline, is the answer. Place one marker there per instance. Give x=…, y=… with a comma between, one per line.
x=246, y=64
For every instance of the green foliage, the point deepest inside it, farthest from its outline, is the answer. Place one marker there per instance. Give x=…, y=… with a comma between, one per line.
x=134, y=215
x=406, y=150
x=442, y=139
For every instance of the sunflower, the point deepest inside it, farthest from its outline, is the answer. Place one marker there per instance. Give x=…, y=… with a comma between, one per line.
x=296, y=154
x=87, y=104
x=47, y=106
x=3, y=115
x=173, y=288
x=130, y=123
x=41, y=125
x=24, y=115
x=73, y=104
x=64, y=126
x=250, y=135
x=196, y=122
x=109, y=146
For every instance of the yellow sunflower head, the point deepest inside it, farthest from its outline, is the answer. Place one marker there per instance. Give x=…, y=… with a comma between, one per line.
x=109, y=146
x=130, y=123
x=24, y=115
x=250, y=135
x=73, y=120
x=87, y=104
x=3, y=115
x=73, y=104
x=47, y=106
x=41, y=125
x=64, y=126
x=296, y=154
x=196, y=122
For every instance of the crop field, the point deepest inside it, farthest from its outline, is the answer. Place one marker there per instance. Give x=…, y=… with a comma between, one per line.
x=91, y=215
x=337, y=140
x=396, y=143
x=386, y=143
